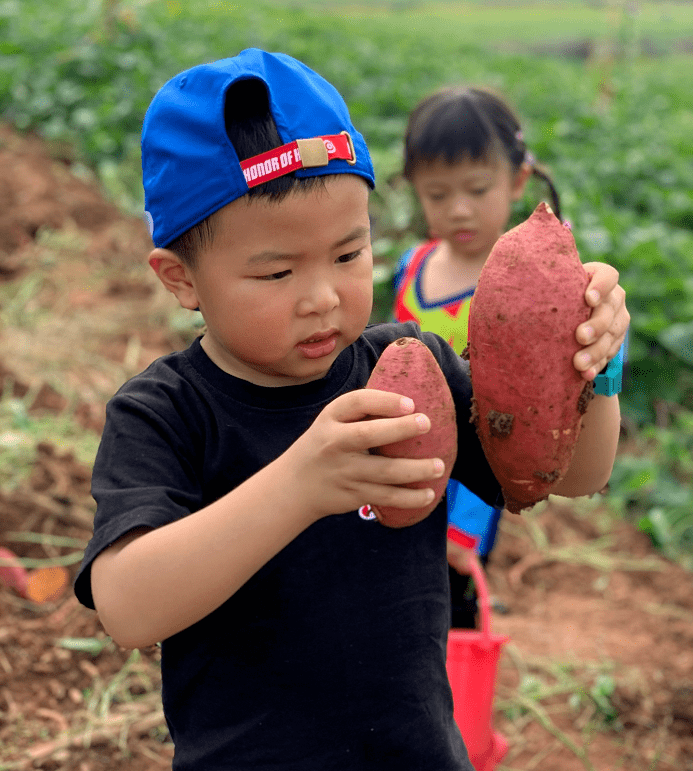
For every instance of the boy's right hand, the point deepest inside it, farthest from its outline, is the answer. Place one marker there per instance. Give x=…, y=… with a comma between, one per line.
x=333, y=468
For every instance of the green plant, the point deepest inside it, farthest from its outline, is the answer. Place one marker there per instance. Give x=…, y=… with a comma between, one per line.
x=545, y=686
x=82, y=76
x=651, y=485
x=21, y=430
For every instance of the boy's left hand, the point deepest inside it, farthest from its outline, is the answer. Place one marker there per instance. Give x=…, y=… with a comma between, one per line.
x=605, y=330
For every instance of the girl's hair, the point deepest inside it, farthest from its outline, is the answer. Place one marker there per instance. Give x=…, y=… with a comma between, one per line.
x=252, y=130
x=456, y=123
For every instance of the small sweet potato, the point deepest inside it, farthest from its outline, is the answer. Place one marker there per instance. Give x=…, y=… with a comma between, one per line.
x=40, y=585
x=528, y=397
x=408, y=367
x=12, y=572
x=47, y=584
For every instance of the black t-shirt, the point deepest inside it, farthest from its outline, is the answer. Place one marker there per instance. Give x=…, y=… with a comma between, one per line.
x=332, y=656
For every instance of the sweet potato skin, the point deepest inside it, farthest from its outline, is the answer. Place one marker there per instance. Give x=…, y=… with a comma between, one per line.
x=13, y=574
x=45, y=584
x=528, y=397
x=408, y=367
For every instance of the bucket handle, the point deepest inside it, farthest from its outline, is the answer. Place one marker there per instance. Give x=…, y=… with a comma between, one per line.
x=483, y=599
x=477, y=573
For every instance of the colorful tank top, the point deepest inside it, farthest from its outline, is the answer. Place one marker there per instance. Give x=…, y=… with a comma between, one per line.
x=472, y=522
x=448, y=318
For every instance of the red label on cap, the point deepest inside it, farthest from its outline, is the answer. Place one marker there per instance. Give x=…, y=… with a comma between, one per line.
x=287, y=158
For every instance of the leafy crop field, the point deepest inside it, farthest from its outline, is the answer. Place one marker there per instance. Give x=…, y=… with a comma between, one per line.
x=599, y=85
x=659, y=25
x=607, y=105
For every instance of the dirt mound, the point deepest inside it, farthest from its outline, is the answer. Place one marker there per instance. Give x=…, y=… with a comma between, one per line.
x=598, y=673
x=38, y=191
x=82, y=308
x=69, y=698
x=601, y=644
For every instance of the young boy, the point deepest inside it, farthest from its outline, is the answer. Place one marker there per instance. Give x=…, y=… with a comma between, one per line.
x=232, y=479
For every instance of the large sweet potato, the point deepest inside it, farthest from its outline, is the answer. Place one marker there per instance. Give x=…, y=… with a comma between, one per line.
x=408, y=367
x=528, y=397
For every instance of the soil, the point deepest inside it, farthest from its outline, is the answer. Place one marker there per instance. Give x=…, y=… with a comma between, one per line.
x=597, y=672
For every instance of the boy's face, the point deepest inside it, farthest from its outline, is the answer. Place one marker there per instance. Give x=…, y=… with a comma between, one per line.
x=285, y=287
x=468, y=203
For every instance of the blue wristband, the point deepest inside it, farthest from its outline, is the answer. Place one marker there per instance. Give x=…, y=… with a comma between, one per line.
x=610, y=380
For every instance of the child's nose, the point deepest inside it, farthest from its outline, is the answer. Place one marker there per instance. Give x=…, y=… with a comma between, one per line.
x=460, y=206
x=320, y=297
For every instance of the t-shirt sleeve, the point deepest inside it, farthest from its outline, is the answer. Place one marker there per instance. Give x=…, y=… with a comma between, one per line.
x=144, y=476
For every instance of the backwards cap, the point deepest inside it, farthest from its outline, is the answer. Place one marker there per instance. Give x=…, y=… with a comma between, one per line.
x=189, y=166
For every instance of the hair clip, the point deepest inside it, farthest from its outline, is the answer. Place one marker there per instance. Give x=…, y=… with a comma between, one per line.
x=519, y=136
x=529, y=158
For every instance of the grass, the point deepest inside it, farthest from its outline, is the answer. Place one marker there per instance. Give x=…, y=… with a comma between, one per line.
x=526, y=23
x=564, y=27
x=114, y=709
x=547, y=687
x=21, y=431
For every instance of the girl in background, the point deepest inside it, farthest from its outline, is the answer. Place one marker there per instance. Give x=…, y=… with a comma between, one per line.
x=466, y=158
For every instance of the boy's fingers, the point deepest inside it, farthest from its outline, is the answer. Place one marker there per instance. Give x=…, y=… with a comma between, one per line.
x=373, y=418
x=599, y=322
x=610, y=315
x=589, y=362
x=364, y=434
x=398, y=497
x=367, y=402
x=402, y=471
x=603, y=279
x=602, y=335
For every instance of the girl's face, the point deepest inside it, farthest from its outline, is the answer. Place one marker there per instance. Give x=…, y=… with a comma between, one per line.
x=285, y=286
x=468, y=203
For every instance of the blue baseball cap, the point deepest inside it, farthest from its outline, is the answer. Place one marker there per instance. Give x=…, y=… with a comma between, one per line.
x=190, y=168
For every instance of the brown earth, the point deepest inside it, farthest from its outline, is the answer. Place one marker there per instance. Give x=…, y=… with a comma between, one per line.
x=598, y=670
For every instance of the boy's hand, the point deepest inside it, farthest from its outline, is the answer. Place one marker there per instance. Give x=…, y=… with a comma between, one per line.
x=333, y=469
x=603, y=333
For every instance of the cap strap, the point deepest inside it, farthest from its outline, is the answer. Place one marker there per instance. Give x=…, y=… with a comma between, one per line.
x=300, y=154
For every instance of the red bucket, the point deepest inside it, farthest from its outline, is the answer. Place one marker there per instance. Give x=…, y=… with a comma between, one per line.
x=472, y=662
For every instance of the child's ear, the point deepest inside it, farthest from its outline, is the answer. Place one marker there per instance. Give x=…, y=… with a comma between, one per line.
x=520, y=181
x=175, y=276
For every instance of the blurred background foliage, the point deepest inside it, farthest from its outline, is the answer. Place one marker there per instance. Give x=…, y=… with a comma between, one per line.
x=602, y=88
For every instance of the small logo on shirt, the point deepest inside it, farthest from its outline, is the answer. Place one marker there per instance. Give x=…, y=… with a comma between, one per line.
x=367, y=513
